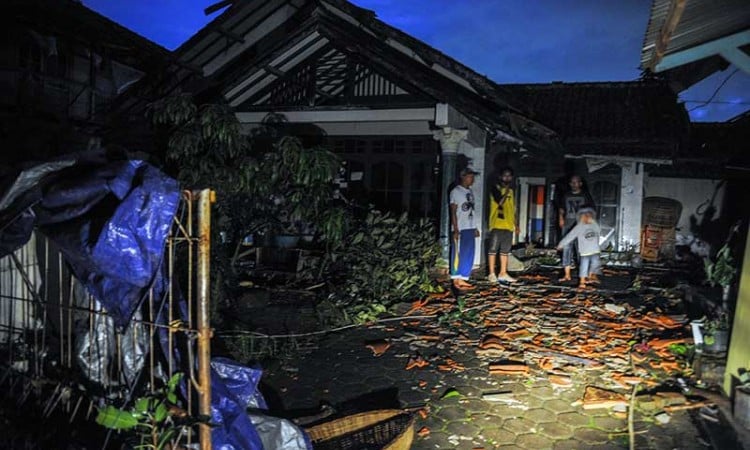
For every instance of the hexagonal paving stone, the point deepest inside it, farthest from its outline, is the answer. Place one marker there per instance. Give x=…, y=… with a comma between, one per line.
x=506, y=411
x=464, y=429
x=534, y=441
x=556, y=430
x=573, y=419
x=469, y=391
x=499, y=437
x=543, y=392
x=557, y=406
x=519, y=425
x=540, y=415
x=590, y=436
x=569, y=444
x=610, y=424
x=475, y=405
x=452, y=413
x=529, y=401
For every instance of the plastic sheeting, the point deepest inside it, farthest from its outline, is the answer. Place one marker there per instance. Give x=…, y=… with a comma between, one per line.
x=236, y=391
x=111, y=220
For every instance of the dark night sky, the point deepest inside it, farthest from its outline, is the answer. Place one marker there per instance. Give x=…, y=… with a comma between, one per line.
x=510, y=41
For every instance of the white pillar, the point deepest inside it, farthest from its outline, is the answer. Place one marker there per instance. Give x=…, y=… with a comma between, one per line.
x=449, y=142
x=631, y=205
x=476, y=156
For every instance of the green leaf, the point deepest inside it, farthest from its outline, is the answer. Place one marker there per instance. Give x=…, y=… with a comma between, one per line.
x=142, y=406
x=161, y=413
x=116, y=419
x=174, y=381
x=450, y=393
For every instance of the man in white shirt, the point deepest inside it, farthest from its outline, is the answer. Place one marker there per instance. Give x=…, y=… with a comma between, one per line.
x=464, y=230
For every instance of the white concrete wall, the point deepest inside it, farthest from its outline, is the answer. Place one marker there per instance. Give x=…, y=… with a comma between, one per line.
x=631, y=204
x=694, y=194
x=476, y=155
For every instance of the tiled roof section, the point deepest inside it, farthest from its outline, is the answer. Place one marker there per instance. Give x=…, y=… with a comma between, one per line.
x=641, y=114
x=701, y=21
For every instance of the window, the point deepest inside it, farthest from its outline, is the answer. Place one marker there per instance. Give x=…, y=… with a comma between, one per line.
x=606, y=196
x=388, y=186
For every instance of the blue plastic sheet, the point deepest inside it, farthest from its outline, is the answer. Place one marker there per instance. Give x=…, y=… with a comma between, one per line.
x=232, y=387
x=111, y=220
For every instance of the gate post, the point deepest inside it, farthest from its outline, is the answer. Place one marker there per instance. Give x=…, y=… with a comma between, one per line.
x=205, y=198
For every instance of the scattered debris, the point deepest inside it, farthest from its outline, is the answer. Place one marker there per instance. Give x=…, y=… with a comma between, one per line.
x=617, y=309
x=595, y=398
x=662, y=418
x=417, y=362
x=509, y=368
x=560, y=380
x=378, y=347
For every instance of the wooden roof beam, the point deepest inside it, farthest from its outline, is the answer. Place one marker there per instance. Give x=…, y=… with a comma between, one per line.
x=230, y=34
x=676, y=8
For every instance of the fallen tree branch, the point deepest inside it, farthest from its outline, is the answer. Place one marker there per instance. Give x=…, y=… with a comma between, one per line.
x=319, y=332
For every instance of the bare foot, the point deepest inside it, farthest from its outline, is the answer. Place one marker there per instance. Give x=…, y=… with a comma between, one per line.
x=564, y=279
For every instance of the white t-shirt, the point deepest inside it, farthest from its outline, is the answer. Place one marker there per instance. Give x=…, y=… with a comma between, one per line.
x=464, y=198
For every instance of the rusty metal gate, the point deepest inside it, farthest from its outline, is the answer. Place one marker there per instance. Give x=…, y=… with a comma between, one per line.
x=58, y=344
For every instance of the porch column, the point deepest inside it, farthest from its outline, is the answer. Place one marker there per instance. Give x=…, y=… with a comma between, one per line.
x=631, y=204
x=449, y=142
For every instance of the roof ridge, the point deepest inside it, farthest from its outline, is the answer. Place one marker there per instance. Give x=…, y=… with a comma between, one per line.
x=558, y=84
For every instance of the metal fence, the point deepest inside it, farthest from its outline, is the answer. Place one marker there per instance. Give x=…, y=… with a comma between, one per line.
x=60, y=349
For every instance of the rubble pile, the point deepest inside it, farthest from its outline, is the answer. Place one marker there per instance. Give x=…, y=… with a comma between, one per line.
x=541, y=329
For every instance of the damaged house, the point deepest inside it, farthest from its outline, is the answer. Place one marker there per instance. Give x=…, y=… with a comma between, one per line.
x=632, y=142
x=402, y=115
x=62, y=65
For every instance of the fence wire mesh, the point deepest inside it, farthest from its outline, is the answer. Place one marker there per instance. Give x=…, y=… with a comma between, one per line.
x=61, y=351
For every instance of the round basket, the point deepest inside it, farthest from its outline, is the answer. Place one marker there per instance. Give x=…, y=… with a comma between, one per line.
x=661, y=212
x=387, y=429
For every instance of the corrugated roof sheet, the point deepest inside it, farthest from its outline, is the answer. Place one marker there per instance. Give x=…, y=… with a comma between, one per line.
x=702, y=21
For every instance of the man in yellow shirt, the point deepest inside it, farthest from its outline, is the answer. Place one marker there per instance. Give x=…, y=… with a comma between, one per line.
x=503, y=223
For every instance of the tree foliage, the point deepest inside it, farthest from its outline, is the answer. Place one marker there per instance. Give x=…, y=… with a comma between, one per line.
x=385, y=260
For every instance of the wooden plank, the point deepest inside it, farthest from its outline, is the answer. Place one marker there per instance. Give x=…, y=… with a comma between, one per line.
x=676, y=7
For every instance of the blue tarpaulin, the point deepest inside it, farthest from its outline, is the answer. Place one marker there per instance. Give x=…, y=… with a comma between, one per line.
x=111, y=220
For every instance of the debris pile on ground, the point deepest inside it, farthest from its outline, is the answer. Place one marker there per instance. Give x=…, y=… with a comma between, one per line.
x=545, y=329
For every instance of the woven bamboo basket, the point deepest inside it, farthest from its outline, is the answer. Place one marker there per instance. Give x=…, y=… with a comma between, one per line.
x=386, y=429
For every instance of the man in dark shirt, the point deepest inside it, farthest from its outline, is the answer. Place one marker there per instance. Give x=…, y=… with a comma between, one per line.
x=568, y=216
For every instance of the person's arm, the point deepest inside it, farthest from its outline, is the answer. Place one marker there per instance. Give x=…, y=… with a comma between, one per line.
x=454, y=221
x=561, y=213
x=570, y=236
x=515, y=213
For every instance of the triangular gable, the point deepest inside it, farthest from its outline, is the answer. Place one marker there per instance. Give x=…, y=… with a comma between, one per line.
x=255, y=38
x=328, y=76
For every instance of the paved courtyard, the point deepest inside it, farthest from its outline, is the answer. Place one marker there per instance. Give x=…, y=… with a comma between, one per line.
x=511, y=367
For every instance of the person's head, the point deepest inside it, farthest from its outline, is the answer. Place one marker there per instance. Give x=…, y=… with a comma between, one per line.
x=586, y=214
x=506, y=176
x=575, y=183
x=467, y=176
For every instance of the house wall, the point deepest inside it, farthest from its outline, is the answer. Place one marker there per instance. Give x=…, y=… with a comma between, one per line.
x=695, y=195
x=631, y=204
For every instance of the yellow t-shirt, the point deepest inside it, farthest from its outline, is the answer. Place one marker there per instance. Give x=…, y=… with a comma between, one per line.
x=503, y=218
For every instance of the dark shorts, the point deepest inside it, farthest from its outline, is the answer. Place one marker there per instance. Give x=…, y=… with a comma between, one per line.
x=500, y=241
